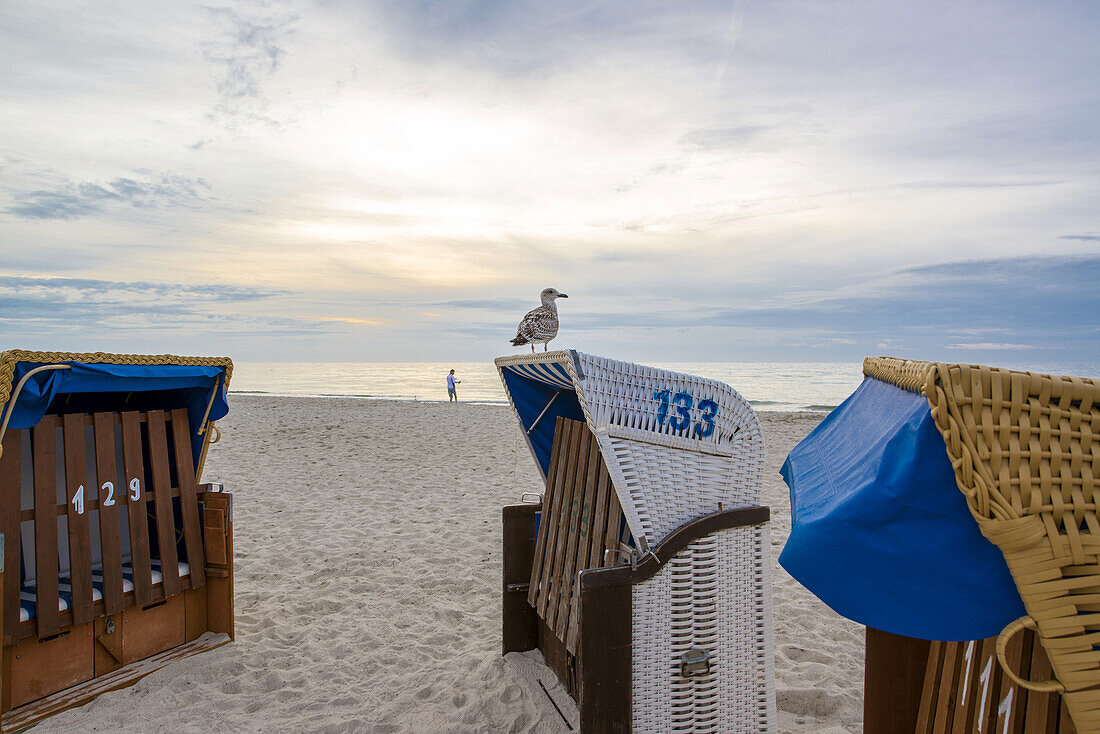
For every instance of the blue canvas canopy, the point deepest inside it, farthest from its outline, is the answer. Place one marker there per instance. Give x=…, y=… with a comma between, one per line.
x=540, y=393
x=880, y=531
x=96, y=383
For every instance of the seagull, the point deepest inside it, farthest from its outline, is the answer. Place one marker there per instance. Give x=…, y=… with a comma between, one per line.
x=541, y=324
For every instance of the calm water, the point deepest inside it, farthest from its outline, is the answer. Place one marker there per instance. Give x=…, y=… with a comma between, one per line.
x=768, y=386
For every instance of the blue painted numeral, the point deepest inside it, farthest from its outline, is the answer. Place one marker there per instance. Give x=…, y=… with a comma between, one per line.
x=662, y=409
x=682, y=420
x=683, y=409
x=710, y=409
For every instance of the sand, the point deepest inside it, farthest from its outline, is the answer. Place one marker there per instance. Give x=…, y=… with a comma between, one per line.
x=368, y=584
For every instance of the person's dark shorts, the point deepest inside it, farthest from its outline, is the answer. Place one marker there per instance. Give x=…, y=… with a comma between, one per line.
x=451, y=393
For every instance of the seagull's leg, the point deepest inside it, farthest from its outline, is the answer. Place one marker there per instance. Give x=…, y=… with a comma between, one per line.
x=544, y=346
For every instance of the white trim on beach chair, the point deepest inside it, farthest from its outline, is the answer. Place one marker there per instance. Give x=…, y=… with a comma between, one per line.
x=677, y=446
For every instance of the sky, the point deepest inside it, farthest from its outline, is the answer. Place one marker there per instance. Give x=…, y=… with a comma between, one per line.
x=345, y=180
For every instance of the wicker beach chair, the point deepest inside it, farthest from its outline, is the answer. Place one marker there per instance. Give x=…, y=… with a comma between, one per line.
x=642, y=575
x=1023, y=448
x=118, y=560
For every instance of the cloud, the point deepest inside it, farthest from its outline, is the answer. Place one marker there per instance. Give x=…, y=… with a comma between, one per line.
x=71, y=200
x=250, y=48
x=91, y=305
x=1081, y=237
x=994, y=346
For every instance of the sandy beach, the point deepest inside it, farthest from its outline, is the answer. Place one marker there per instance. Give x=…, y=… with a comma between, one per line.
x=368, y=584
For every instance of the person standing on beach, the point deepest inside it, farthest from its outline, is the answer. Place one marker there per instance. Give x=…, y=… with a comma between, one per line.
x=452, y=394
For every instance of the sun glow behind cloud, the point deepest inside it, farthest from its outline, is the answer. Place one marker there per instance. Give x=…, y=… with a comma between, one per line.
x=696, y=178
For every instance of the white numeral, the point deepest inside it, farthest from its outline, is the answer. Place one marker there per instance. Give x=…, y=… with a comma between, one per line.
x=968, y=657
x=78, y=500
x=984, y=677
x=135, y=489
x=110, y=487
x=1006, y=708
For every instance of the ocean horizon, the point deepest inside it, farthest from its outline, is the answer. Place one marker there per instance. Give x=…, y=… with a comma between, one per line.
x=768, y=386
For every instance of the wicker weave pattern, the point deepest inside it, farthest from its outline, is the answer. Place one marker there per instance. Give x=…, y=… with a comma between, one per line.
x=665, y=477
x=1026, y=452
x=713, y=595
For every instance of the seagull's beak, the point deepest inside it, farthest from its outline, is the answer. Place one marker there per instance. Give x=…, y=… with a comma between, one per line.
x=562, y=295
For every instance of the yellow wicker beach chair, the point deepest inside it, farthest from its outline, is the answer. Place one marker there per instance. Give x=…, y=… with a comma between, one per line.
x=1025, y=449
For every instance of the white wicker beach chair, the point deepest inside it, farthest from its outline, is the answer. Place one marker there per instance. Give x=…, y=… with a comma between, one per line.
x=687, y=614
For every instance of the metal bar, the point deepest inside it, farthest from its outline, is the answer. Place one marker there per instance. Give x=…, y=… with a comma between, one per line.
x=546, y=408
x=19, y=388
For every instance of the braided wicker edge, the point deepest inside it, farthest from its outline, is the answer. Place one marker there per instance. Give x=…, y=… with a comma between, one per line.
x=1015, y=530
x=10, y=357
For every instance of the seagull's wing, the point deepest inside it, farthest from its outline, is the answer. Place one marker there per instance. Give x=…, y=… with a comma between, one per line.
x=539, y=324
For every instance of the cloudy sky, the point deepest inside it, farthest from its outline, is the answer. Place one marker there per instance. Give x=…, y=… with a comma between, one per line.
x=356, y=180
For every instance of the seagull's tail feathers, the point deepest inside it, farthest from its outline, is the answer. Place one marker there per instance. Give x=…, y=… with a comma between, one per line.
x=519, y=341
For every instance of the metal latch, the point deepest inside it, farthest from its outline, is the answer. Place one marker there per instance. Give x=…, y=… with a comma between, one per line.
x=694, y=662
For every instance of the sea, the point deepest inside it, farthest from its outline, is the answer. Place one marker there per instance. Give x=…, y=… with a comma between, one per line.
x=768, y=386
x=813, y=386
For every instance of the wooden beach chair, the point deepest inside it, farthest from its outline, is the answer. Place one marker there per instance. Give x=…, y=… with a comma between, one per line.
x=1024, y=450
x=642, y=575
x=117, y=560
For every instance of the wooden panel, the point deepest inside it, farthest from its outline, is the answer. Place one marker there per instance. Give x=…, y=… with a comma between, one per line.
x=134, y=473
x=893, y=681
x=573, y=525
x=189, y=501
x=599, y=522
x=519, y=623
x=213, y=534
x=109, y=492
x=127, y=675
x=587, y=540
x=603, y=660
x=219, y=589
x=557, y=560
x=77, y=484
x=965, y=690
x=45, y=525
x=1042, y=711
x=107, y=655
x=10, y=480
x=194, y=611
x=540, y=572
x=149, y=630
x=162, y=500
x=40, y=667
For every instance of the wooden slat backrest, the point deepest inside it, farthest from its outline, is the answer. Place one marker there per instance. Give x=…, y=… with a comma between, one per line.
x=552, y=477
x=11, y=472
x=109, y=527
x=189, y=501
x=548, y=525
x=587, y=541
x=580, y=521
x=569, y=455
x=966, y=691
x=162, y=501
x=45, y=525
x=78, y=485
x=571, y=518
x=104, y=492
x=137, y=499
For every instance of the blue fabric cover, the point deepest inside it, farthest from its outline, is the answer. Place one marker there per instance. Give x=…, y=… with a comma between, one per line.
x=530, y=394
x=880, y=531
x=190, y=386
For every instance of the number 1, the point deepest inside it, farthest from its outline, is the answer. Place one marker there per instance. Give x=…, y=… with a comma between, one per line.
x=78, y=500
